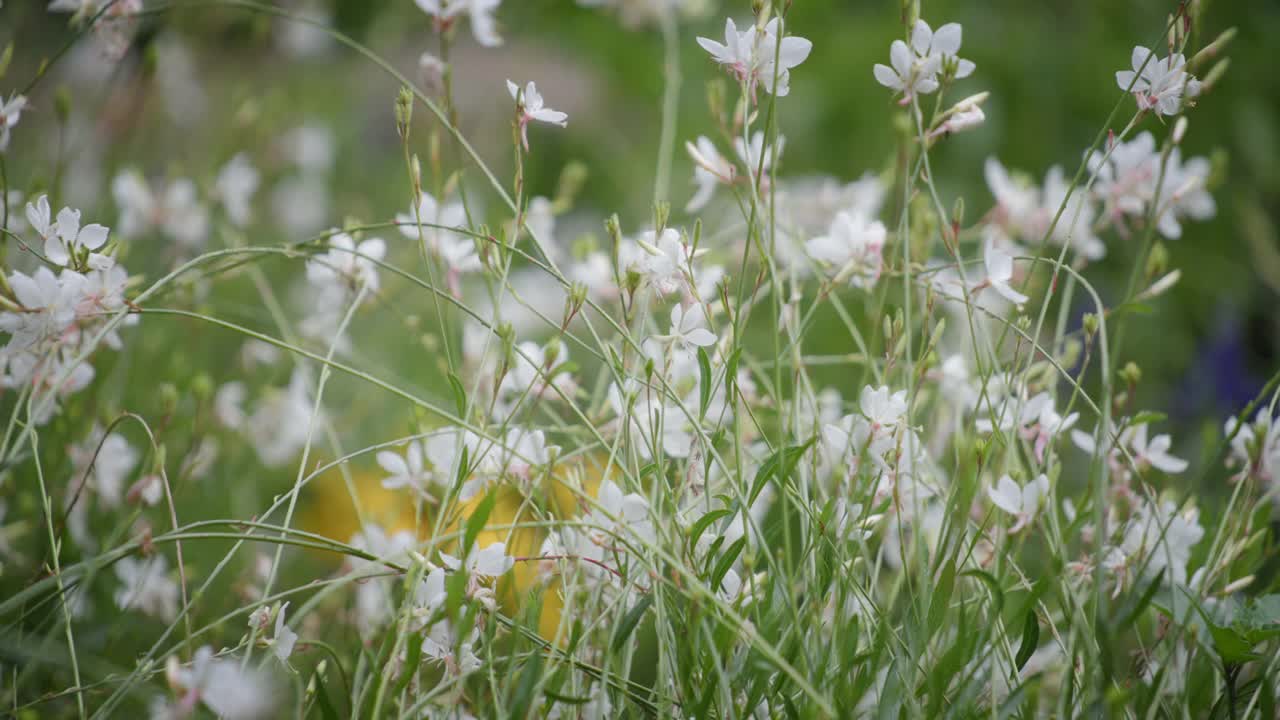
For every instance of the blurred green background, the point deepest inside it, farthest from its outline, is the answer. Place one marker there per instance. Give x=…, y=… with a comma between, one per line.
x=1049, y=68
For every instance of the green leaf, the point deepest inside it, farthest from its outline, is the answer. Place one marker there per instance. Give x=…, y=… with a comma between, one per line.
x=1232, y=646
x=993, y=585
x=413, y=658
x=1143, y=601
x=1147, y=417
x=725, y=562
x=1030, y=638
x=941, y=598
x=780, y=465
x=459, y=395
x=700, y=526
x=523, y=700
x=566, y=699
x=704, y=386
x=630, y=621
x=476, y=522
x=322, y=699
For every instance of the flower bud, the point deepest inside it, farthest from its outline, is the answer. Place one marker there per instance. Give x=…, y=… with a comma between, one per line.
x=1213, y=49
x=1131, y=373
x=1214, y=75
x=169, y=397
x=62, y=104
x=431, y=69
x=1179, y=129
x=404, y=112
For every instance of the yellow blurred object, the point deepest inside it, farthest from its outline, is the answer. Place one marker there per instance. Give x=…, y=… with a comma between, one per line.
x=328, y=511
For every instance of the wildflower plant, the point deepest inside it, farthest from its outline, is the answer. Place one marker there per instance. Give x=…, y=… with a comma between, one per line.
x=460, y=462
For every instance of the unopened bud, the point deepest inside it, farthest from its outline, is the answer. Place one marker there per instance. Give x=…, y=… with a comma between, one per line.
x=1158, y=260
x=415, y=172
x=1215, y=74
x=404, y=111
x=551, y=351
x=574, y=302
x=715, y=98
x=5, y=58
x=431, y=69
x=1161, y=286
x=1236, y=586
x=169, y=397
x=957, y=213
x=572, y=178
x=202, y=386
x=1213, y=49
x=1179, y=129
x=1090, y=324
x=613, y=227
x=936, y=336
x=62, y=104
x=661, y=213
x=1131, y=373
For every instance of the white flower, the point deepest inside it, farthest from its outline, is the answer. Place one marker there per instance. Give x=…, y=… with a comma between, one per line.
x=229, y=690
x=754, y=57
x=1000, y=273
x=490, y=562
x=1023, y=503
x=1155, y=452
x=1256, y=447
x=346, y=262
x=689, y=327
x=284, y=640
x=440, y=645
x=49, y=302
x=1158, y=85
x=1016, y=202
x=662, y=261
x=147, y=587
x=176, y=211
x=1183, y=193
x=373, y=601
x=482, y=566
x=882, y=409
x=618, y=514
x=942, y=45
x=40, y=218
x=279, y=425
x=456, y=249
x=755, y=156
x=235, y=186
x=530, y=107
x=1164, y=537
x=1042, y=423
x=1125, y=176
x=483, y=26
x=1145, y=453
x=405, y=471
x=963, y=115
x=311, y=147
x=10, y=113
x=1075, y=225
x=228, y=404
x=112, y=464
x=710, y=169
x=909, y=74
x=529, y=375
x=853, y=247
x=63, y=245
